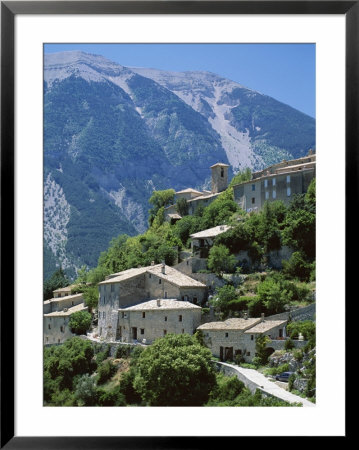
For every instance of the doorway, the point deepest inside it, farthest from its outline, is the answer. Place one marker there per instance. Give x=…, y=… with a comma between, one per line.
x=134, y=333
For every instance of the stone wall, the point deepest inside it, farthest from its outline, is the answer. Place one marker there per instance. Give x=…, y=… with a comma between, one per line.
x=56, y=329
x=305, y=313
x=154, y=324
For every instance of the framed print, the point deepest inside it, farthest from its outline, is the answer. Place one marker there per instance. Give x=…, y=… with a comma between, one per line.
x=71, y=83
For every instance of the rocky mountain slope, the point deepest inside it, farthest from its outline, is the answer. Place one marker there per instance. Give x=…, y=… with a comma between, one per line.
x=113, y=134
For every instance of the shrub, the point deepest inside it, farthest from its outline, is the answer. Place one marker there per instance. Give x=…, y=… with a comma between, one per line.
x=227, y=388
x=123, y=351
x=289, y=344
x=86, y=391
x=220, y=260
x=105, y=372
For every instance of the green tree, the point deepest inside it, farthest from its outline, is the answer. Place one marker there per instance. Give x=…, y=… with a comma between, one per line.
x=306, y=327
x=90, y=295
x=299, y=232
x=105, y=372
x=80, y=322
x=175, y=371
x=273, y=295
x=220, y=211
x=241, y=177
x=220, y=260
x=297, y=266
x=64, y=363
x=86, y=392
x=182, y=207
x=158, y=200
x=261, y=349
x=57, y=280
x=225, y=295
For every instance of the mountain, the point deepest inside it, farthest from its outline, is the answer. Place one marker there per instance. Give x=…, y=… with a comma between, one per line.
x=113, y=134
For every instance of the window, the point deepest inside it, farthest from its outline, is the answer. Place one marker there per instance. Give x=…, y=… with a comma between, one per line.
x=248, y=353
x=123, y=315
x=159, y=281
x=253, y=187
x=142, y=331
x=252, y=337
x=165, y=294
x=104, y=315
x=164, y=332
x=187, y=263
x=49, y=326
x=273, y=182
x=180, y=318
x=149, y=275
x=267, y=195
x=288, y=178
x=265, y=183
x=47, y=339
x=289, y=192
x=182, y=330
x=226, y=335
x=253, y=200
x=112, y=288
x=62, y=329
x=143, y=315
x=274, y=194
x=195, y=300
x=222, y=172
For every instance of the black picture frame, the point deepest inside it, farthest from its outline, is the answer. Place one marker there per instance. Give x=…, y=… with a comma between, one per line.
x=9, y=9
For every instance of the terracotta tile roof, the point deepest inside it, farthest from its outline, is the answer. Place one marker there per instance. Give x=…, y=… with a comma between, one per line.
x=124, y=275
x=188, y=190
x=220, y=165
x=174, y=276
x=165, y=304
x=210, y=232
x=203, y=197
x=230, y=324
x=265, y=326
x=174, y=216
x=62, y=299
x=171, y=275
x=68, y=312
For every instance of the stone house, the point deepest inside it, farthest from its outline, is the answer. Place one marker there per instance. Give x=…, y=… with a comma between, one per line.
x=195, y=198
x=57, y=313
x=134, y=286
x=154, y=319
x=234, y=336
x=277, y=182
x=202, y=241
x=63, y=292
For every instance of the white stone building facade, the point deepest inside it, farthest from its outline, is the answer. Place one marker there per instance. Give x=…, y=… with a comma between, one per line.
x=134, y=286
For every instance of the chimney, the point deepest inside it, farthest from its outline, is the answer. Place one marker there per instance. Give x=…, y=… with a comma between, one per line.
x=158, y=302
x=152, y=263
x=262, y=317
x=163, y=268
x=245, y=316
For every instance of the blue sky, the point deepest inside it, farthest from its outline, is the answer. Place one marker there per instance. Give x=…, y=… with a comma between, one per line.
x=285, y=72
